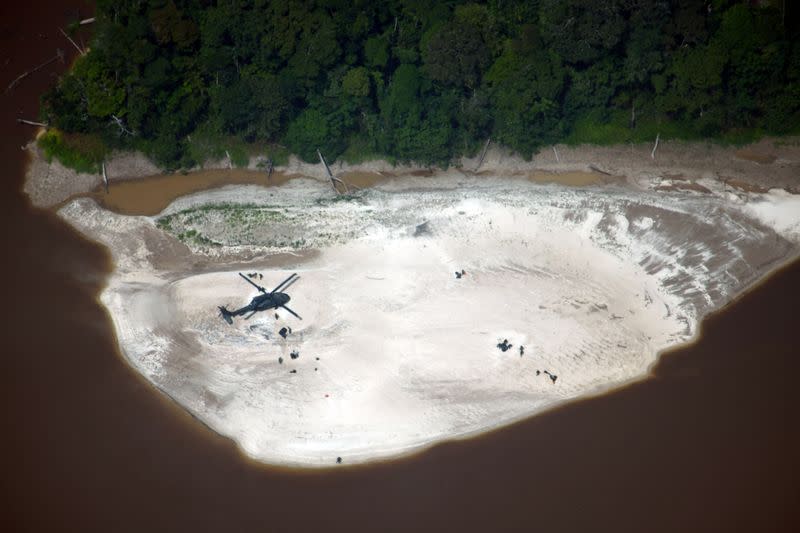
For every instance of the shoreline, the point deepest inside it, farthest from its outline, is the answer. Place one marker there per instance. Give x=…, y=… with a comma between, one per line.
x=772, y=163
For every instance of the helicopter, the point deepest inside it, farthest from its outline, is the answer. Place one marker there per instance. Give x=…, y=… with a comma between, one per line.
x=262, y=302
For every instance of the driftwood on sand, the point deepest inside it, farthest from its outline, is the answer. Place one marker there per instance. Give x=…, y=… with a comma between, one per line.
x=599, y=170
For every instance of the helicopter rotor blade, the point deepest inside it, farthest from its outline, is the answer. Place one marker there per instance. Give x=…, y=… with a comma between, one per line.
x=285, y=287
x=295, y=314
x=259, y=287
x=248, y=317
x=282, y=283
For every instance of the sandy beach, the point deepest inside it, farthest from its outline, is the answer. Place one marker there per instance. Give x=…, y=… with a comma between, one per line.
x=394, y=352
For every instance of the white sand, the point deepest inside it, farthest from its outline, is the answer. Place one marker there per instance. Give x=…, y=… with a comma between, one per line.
x=593, y=282
x=778, y=209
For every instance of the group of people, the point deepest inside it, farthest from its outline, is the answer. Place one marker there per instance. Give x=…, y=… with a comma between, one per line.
x=552, y=376
x=505, y=346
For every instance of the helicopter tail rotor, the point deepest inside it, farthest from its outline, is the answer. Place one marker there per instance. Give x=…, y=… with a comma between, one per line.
x=225, y=314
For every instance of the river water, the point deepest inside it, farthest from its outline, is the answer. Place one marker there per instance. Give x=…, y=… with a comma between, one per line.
x=708, y=443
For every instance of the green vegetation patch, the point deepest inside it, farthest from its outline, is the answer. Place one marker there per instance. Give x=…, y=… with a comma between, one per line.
x=594, y=128
x=78, y=151
x=192, y=236
x=230, y=219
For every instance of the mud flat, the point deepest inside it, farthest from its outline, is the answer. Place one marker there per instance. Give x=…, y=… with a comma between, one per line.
x=757, y=167
x=395, y=351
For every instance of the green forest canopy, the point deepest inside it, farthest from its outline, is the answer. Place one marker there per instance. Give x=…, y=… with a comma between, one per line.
x=427, y=81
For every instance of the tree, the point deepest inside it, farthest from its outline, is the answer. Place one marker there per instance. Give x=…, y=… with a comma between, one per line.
x=688, y=25
x=104, y=95
x=253, y=106
x=593, y=87
x=456, y=55
x=356, y=82
x=581, y=31
x=526, y=93
x=376, y=52
x=312, y=130
x=317, y=48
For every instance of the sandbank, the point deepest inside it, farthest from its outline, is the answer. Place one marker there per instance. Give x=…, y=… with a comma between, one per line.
x=395, y=352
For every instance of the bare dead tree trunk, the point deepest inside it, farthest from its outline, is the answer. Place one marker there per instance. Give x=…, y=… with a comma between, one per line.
x=633, y=115
x=555, y=151
x=122, y=127
x=105, y=177
x=483, y=154
x=86, y=21
x=230, y=163
x=334, y=179
x=655, y=146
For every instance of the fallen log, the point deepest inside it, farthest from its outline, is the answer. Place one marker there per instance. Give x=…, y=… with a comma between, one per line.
x=105, y=176
x=599, y=170
x=59, y=55
x=80, y=50
x=31, y=122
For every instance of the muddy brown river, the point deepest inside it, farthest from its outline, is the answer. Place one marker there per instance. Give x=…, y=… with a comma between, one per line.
x=708, y=443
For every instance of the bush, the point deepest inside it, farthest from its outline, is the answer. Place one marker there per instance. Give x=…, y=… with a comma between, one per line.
x=313, y=130
x=205, y=143
x=79, y=151
x=279, y=154
x=600, y=128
